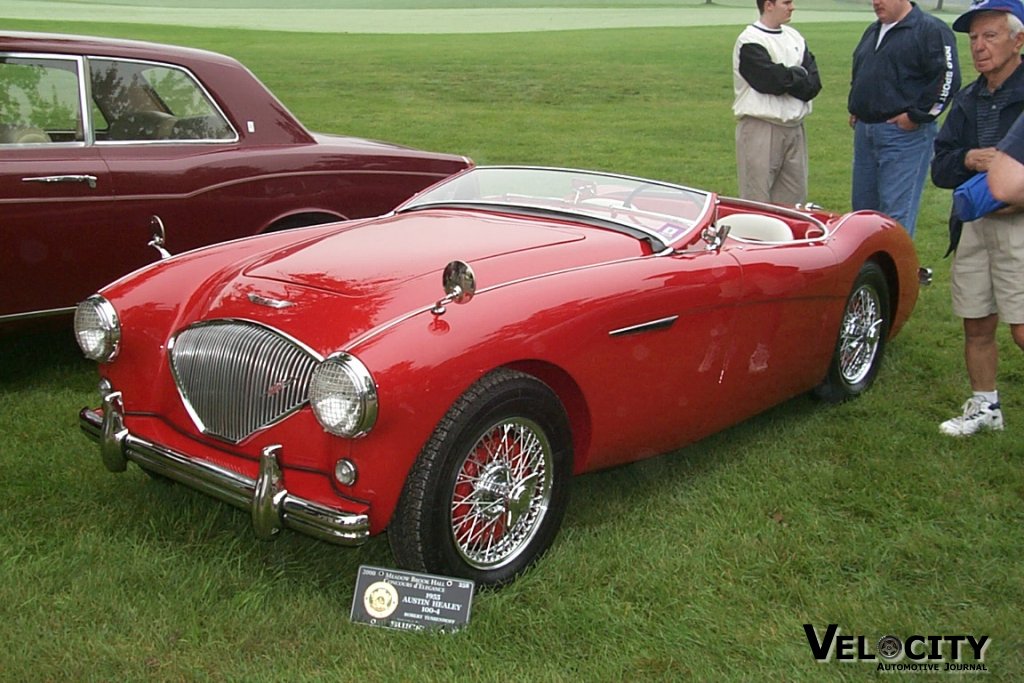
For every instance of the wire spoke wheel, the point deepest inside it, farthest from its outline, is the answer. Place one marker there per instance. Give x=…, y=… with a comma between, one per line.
x=487, y=494
x=860, y=344
x=860, y=335
x=502, y=492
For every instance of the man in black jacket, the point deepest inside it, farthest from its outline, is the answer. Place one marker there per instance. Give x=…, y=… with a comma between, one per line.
x=905, y=72
x=987, y=275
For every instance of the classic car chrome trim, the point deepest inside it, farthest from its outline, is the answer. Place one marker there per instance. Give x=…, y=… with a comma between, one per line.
x=797, y=213
x=266, y=498
x=28, y=315
x=659, y=324
x=226, y=392
x=159, y=239
x=113, y=433
x=459, y=283
x=267, y=301
x=89, y=180
x=658, y=240
x=84, y=110
x=268, y=494
x=657, y=243
x=365, y=389
x=384, y=327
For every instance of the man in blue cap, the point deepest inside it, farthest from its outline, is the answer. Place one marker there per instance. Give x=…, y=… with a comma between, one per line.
x=987, y=275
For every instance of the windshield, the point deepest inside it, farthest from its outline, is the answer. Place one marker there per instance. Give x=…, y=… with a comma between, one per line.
x=642, y=208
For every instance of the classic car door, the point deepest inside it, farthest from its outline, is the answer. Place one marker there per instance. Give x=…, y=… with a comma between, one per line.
x=705, y=339
x=653, y=368
x=780, y=346
x=55, y=190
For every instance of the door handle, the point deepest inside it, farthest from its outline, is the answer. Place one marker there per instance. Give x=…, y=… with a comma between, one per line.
x=90, y=180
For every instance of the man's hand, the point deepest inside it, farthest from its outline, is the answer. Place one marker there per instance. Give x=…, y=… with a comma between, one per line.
x=904, y=122
x=978, y=160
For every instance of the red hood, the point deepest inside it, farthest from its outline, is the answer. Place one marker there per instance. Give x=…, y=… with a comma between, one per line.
x=345, y=280
x=382, y=255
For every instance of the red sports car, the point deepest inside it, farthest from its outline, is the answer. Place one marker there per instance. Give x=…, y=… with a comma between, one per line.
x=105, y=142
x=442, y=371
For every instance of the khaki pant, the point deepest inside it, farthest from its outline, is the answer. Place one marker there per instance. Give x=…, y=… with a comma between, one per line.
x=771, y=161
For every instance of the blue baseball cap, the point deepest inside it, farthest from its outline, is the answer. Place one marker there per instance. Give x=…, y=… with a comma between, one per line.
x=1014, y=7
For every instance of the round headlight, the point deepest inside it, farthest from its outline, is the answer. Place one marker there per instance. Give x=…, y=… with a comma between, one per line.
x=343, y=396
x=97, y=329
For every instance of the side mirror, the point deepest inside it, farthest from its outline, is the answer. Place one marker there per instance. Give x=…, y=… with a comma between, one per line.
x=459, y=283
x=714, y=236
x=159, y=237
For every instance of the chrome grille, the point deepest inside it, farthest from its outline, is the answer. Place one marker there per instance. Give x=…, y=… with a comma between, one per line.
x=238, y=377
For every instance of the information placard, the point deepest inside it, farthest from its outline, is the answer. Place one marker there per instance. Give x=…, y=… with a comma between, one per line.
x=411, y=601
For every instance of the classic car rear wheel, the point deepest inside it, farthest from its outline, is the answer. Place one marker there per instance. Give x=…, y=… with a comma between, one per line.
x=487, y=494
x=862, y=335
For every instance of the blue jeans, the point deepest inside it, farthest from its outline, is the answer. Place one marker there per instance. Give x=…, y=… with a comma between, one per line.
x=890, y=166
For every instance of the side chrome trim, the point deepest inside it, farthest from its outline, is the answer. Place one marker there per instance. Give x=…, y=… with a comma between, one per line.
x=352, y=344
x=271, y=505
x=89, y=180
x=28, y=315
x=659, y=324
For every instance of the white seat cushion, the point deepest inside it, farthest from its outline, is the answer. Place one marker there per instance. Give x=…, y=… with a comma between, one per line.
x=758, y=227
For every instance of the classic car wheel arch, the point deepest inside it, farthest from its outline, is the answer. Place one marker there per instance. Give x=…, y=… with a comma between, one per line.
x=573, y=403
x=884, y=261
x=421, y=533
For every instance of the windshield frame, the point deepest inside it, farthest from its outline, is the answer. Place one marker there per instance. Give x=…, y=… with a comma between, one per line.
x=675, y=229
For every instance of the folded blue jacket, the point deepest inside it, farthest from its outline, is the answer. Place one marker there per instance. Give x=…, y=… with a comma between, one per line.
x=972, y=199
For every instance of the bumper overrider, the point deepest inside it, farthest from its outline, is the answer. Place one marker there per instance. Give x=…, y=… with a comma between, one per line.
x=271, y=505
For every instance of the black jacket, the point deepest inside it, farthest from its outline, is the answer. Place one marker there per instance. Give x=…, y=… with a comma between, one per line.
x=915, y=70
x=959, y=135
x=772, y=78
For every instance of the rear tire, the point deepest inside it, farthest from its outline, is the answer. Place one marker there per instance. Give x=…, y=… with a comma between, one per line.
x=488, y=492
x=863, y=333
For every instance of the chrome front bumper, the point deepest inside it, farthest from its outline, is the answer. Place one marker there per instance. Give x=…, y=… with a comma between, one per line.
x=270, y=504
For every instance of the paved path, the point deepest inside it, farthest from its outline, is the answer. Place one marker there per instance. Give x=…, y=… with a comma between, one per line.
x=501, y=20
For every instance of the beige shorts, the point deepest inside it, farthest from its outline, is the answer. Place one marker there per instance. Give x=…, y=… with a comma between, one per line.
x=987, y=275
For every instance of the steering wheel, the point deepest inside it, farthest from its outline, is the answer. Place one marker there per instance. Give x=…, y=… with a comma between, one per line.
x=628, y=202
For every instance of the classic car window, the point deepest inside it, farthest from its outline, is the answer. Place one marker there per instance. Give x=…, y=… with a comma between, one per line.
x=39, y=101
x=141, y=101
x=640, y=207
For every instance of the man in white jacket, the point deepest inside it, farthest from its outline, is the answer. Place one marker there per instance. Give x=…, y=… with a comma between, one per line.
x=774, y=79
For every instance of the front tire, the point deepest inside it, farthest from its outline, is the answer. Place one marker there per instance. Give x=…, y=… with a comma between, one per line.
x=487, y=493
x=863, y=333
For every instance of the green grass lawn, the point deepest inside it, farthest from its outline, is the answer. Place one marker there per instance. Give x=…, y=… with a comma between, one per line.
x=703, y=564
x=432, y=16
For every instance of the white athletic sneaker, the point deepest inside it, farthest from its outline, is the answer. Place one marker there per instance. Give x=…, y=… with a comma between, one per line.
x=977, y=415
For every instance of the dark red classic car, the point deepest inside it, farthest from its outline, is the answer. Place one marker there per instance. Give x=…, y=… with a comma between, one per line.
x=104, y=143
x=442, y=371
